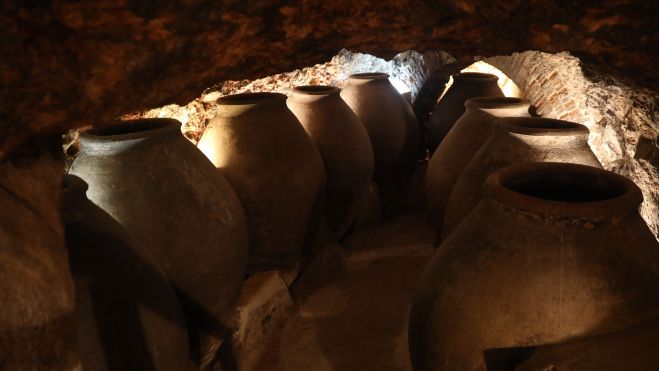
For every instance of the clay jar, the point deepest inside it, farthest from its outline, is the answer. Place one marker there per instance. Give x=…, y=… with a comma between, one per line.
x=276, y=171
x=37, y=318
x=391, y=126
x=516, y=140
x=128, y=316
x=553, y=252
x=164, y=191
x=452, y=105
x=344, y=146
x=461, y=143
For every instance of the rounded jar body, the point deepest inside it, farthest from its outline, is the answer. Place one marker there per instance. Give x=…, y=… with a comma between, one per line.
x=555, y=251
x=127, y=313
x=392, y=128
x=278, y=175
x=466, y=137
x=344, y=147
x=159, y=187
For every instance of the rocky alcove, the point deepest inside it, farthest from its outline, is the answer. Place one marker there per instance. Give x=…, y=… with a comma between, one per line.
x=69, y=66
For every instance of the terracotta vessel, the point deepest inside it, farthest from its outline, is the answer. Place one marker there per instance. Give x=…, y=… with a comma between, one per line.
x=452, y=105
x=516, y=140
x=276, y=171
x=415, y=125
x=391, y=126
x=344, y=146
x=128, y=316
x=164, y=191
x=634, y=348
x=466, y=137
x=554, y=251
x=37, y=318
x=370, y=212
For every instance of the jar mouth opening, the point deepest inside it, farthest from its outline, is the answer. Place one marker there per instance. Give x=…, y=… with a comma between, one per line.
x=558, y=188
x=496, y=102
x=131, y=129
x=369, y=76
x=250, y=98
x=541, y=126
x=563, y=189
x=315, y=89
x=476, y=76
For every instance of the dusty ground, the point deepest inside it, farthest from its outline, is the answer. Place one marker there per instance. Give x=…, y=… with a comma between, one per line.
x=359, y=321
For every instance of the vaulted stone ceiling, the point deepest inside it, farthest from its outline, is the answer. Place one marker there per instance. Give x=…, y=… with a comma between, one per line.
x=66, y=64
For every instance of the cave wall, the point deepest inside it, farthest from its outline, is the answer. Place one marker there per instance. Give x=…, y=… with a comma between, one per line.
x=67, y=64
x=408, y=71
x=36, y=288
x=621, y=119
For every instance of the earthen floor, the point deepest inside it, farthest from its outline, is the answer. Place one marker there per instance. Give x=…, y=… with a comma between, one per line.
x=358, y=321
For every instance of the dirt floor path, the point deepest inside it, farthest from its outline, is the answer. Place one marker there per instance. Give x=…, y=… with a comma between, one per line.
x=359, y=320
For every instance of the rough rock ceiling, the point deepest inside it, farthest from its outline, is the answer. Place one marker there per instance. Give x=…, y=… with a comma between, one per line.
x=66, y=64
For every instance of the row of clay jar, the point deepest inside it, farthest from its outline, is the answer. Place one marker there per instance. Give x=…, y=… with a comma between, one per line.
x=539, y=245
x=160, y=238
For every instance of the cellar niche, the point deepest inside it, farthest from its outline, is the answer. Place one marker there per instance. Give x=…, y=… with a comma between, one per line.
x=93, y=283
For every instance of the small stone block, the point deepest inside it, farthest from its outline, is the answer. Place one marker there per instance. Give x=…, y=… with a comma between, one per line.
x=265, y=305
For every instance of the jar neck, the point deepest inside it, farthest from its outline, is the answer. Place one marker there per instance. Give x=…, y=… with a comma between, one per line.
x=558, y=140
x=540, y=132
x=370, y=78
x=246, y=103
x=475, y=79
x=501, y=111
x=499, y=106
x=311, y=94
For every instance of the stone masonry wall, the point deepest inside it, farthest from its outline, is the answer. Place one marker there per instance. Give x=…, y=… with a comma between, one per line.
x=621, y=120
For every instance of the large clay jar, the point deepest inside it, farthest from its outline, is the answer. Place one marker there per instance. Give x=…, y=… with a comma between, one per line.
x=276, y=171
x=128, y=316
x=554, y=251
x=452, y=105
x=461, y=143
x=37, y=315
x=164, y=191
x=391, y=126
x=516, y=140
x=344, y=146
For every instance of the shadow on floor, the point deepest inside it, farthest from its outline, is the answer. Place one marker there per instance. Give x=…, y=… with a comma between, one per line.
x=359, y=320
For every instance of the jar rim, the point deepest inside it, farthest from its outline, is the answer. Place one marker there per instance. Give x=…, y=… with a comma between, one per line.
x=475, y=77
x=369, y=76
x=242, y=99
x=564, y=190
x=125, y=130
x=539, y=126
x=497, y=102
x=315, y=90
